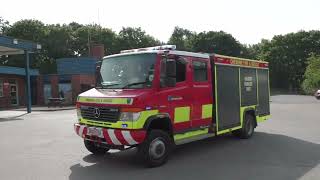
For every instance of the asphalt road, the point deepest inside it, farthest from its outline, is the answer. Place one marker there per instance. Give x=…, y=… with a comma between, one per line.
x=43, y=145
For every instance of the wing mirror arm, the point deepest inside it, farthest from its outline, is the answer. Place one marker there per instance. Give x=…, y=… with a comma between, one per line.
x=97, y=74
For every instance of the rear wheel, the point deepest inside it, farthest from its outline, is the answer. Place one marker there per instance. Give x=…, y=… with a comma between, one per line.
x=247, y=129
x=94, y=149
x=156, y=148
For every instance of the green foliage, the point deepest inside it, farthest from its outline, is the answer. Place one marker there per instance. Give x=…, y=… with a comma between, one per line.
x=58, y=41
x=131, y=38
x=207, y=42
x=287, y=55
x=182, y=38
x=4, y=25
x=93, y=34
x=312, y=75
x=69, y=40
x=28, y=29
x=217, y=42
x=32, y=30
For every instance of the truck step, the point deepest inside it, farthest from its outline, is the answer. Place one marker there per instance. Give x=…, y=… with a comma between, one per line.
x=194, y=138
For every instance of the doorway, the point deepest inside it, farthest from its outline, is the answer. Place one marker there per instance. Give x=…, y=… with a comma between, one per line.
x=47, y=92
x=14, y=100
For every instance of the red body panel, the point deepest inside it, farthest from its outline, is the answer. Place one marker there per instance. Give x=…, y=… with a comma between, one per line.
x=202, y=94
x=245, y=63
x=187, y=93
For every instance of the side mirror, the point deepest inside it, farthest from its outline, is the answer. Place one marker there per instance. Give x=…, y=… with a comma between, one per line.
x=97, y=73
x=170, y=68
x=170, y=79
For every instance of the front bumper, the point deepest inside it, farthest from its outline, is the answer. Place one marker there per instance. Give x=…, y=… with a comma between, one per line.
x=113, y=136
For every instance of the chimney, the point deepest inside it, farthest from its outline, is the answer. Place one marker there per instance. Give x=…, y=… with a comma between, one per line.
x=97, y=51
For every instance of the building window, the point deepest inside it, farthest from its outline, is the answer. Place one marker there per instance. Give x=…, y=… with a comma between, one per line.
x=199, y=71
x=1, y=88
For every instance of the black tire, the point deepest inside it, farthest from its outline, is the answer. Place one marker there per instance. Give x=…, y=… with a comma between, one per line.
x=94, y=149
x=156, y=148
x=247, y=129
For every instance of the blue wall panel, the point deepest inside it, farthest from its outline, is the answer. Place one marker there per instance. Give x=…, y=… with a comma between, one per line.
x=17, y=71
x=81, y=65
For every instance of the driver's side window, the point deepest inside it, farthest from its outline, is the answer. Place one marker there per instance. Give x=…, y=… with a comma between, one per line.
x=181, y=65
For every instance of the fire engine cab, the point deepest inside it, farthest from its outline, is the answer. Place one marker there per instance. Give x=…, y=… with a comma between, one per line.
x=158, y=97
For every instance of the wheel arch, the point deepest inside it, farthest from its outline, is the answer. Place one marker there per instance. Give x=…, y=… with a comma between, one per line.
x=159, y=121
x=251, y=111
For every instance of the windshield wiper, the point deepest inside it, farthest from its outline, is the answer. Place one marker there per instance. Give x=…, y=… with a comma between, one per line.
x=132, y=84
x=107, y=85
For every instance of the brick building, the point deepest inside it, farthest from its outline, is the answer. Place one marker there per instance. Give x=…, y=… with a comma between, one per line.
x=74, y=75
x=13, y=86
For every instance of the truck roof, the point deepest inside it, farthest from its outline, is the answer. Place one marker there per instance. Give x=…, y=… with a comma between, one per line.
x=171, y=49
x=175, y=52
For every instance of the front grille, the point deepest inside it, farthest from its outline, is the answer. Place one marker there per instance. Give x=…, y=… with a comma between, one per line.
x=106, y=114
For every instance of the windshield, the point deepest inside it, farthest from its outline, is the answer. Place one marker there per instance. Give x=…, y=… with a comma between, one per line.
x=128, y=71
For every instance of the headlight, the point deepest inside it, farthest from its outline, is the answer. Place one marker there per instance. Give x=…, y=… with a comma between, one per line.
x=129, y=116
x=78, y=111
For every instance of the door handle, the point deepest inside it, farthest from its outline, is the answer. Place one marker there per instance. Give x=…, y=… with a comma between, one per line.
x=174, y=98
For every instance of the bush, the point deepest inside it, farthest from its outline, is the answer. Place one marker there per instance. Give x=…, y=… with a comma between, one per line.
x=312, y=75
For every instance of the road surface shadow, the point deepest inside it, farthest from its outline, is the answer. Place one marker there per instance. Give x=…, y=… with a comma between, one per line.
x=264, y=156
x=13, y=118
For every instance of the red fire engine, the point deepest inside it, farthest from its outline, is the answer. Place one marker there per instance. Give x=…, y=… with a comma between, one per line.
x=155, y=98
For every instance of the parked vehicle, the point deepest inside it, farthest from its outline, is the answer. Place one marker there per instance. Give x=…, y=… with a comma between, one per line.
x=155, y=98
x=317, y=94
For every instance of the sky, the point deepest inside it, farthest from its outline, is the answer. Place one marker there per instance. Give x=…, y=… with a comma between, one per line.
x=248, y=21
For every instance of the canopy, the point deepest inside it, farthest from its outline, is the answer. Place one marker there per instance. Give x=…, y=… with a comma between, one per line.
x=12, y=46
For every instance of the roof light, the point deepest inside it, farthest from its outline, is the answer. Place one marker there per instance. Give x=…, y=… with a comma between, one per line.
x=127, y=51
x=163, y=47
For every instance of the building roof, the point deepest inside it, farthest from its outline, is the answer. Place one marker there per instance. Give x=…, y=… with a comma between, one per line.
x=17, y=71
x=10, y=45
x=78, y=65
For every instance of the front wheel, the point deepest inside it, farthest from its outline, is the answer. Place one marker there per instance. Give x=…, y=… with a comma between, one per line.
x=247, y=129
x=156, y=148
x=94, y=149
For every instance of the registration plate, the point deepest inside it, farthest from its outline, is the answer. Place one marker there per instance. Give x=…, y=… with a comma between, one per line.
x=93, y=131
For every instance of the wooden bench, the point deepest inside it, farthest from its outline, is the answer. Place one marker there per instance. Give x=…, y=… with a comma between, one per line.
x=54, y=102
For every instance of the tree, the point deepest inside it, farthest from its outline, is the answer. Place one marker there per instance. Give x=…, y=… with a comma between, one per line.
x=249, y=51
x=182, y=38
x=32, y=30
x=287, y=55
x=4, y=25
x=208, y=42
x=217, y=42
x=93, y=34
x=28, y=29
x=312, y=75
x=58, y=41
x=130, y=38
x=68, y=40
